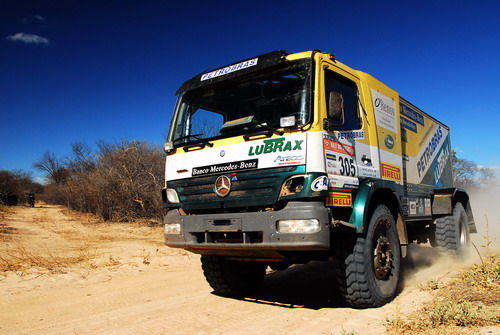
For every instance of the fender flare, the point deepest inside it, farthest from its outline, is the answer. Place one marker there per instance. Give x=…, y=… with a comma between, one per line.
x=364, y=200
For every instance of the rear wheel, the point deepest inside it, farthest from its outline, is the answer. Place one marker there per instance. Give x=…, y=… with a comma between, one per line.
x=232, y=278
x=368, y=267
x=452, y=231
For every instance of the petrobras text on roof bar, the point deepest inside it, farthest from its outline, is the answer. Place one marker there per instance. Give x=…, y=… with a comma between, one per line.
x=229, y=69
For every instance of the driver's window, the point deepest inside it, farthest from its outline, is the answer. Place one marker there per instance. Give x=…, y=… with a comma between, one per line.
x=342, y=102
x=206, y=123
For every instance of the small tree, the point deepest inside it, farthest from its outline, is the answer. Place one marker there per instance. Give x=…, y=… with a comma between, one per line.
x=49, y=164
x=468, y=174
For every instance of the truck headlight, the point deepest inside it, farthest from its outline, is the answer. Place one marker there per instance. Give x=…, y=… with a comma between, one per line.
x=172, y=196
x=307, y=226
x=172, y=228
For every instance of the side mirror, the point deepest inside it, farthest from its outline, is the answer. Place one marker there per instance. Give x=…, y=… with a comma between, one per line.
x=336, y=107
x=335, y=111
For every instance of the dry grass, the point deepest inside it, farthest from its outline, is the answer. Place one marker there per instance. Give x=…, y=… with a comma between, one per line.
x=460, y=306
x=19, y=258
x=54, y=239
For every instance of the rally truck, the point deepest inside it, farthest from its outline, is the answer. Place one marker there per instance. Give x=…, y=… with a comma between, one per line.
x=283, y=159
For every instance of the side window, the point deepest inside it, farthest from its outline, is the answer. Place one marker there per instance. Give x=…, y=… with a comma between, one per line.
x=342, y=101
x=206, y=123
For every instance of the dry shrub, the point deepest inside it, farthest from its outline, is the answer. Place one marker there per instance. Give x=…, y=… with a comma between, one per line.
x=120, y=182
x=472, y=300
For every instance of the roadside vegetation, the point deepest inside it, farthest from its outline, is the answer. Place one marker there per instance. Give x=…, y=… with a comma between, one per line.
x=118, y=182
x=460, y=306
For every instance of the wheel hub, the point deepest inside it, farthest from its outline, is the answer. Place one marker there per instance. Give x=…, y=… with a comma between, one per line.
x=382, y=258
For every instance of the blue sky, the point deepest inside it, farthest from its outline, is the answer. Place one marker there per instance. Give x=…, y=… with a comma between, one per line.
x=108, y=70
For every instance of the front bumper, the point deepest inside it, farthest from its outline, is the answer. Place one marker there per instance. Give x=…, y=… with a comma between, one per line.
x=251, y=234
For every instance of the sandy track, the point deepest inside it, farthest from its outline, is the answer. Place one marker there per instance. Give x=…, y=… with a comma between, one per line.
x=148, y=288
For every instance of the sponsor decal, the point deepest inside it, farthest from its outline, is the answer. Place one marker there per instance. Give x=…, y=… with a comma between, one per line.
x=222, y=153
x=226, y=167
x=412, y=114
x=413, y=208
x=390, y=171
x=410, y=125
x=320, y=184
x=364, y=171
x=341, y=148
x=229, y=69
x=275, y=144
x=389, y=141
x=331, y=157
x=385, y=111
x=340, y=182
x=331, y=164
x=349, y=135
x=429, y=151
x=339, y=199
x=286, y=160
x=441, y=161
x=427, y=205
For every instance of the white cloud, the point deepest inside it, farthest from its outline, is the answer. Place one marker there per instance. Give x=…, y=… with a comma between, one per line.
x=28, y=38
x=41, y=180
x=33, y=19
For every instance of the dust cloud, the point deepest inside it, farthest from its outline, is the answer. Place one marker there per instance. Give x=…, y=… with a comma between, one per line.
x=426, y=263
x=485, y=204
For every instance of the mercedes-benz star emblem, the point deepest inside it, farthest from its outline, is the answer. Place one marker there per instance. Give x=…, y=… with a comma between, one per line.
x=222, y=153
x=222, y=186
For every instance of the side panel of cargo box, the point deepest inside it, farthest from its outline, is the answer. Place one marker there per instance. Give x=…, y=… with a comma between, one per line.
x=426, y=148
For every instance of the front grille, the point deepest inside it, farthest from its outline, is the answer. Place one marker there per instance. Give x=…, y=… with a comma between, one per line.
x=249, y=188
x=229, y=237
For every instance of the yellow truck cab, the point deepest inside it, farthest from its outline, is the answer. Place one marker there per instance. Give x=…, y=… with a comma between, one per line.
x=286, y=158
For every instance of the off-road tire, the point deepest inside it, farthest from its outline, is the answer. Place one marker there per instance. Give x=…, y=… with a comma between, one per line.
x=354, y=263
x=232, y=278
x=452, y=232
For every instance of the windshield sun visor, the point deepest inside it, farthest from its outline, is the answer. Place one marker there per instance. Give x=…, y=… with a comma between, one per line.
x=233, y=70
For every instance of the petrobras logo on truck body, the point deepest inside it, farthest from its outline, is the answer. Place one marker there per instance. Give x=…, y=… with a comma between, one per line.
x=430, y=149
x=229, y=69
x=442, y=159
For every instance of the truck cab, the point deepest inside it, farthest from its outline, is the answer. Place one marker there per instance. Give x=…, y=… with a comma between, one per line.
x=287, y=158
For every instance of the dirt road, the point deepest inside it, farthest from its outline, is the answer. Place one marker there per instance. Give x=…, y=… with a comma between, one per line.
x=65, y=273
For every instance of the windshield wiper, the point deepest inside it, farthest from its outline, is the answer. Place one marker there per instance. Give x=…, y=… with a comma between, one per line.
x=196, y=136
x=197, y=143
x=262, y=129
x=264, y=126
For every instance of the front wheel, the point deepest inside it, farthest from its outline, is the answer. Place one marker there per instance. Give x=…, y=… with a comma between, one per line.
x=368, y=267
x=232, y=278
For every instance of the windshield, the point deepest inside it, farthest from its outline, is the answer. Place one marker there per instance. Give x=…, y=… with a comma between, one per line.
x=267, y=95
